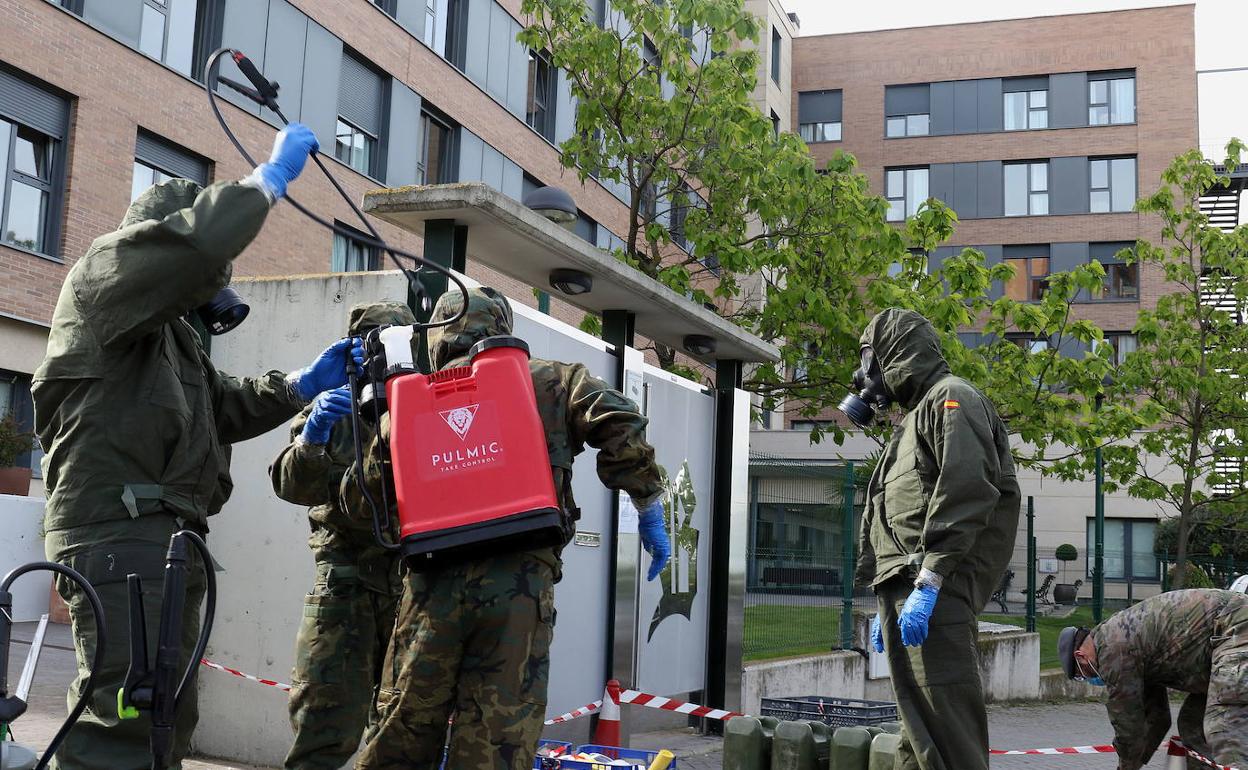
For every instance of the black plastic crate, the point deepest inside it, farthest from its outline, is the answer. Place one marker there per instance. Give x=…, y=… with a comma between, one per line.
x=837, y=712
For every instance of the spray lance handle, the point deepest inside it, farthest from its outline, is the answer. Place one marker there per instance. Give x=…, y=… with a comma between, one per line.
x=136, y=689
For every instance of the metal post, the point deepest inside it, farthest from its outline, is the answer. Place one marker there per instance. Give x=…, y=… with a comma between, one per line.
x=1031, y=563
x=446, y=243
x=723, y=654
x=847, y=558
x=543, y=302
x=1098, y=563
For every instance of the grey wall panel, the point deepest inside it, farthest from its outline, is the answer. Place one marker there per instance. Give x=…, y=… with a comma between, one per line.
x=244, y=26
x=991, y=191
x=513, y=179
x=993, y=256
x=565, y=109
x=942, y=108
x=990, y=104
x=969, y=339
x=284, y=55
x=477, y=49
x=940, y=182
x=471, y=148
x=965, y=107
x=411, y=14
x=402, y=144
x=1068, y=185
x=906, y=100
x=120, y=18
x=936, y=258
x=180, y=48
x=518, y=80
x=320, y=84
x=492, y=167
x=1068, y=100
x=499, y=56
x=1064, y=257
x=965, y=190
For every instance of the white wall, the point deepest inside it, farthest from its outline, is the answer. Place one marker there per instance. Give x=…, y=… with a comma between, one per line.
x=20, y=518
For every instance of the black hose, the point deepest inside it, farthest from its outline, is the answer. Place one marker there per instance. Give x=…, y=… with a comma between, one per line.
x=358, y=440
x=210, y=79
x=101, y=632
x=210, y=609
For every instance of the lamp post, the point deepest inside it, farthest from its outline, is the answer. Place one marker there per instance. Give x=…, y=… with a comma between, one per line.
x=1098, y=553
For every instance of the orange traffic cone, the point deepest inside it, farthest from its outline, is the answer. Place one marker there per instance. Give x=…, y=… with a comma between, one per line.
x=608, y=731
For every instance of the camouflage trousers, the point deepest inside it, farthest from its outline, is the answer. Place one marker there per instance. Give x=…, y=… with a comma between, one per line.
x=342, y=642
x=105, y=554
x=472, y=639
x=1215, y=723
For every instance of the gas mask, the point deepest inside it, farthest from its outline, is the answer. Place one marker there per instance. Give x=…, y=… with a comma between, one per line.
x=861, y=407
x=225, y=311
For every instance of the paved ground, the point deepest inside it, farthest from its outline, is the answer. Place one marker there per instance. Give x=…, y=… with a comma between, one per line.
x=1012, y=727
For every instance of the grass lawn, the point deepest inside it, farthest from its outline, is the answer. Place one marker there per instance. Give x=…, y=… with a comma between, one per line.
x=779, y=631
x=1048, y=628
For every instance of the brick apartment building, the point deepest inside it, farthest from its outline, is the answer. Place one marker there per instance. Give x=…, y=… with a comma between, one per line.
x=1040, y=133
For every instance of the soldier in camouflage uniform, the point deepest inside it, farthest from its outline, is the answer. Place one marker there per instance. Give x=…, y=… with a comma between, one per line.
x=348, y=616
x=474, y=638
x=1193, y=641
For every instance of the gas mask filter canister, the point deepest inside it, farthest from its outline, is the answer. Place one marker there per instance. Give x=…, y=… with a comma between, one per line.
x=225, y=311
x=868, y=380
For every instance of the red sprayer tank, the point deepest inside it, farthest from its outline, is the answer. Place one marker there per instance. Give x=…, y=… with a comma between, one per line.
x=469, y=460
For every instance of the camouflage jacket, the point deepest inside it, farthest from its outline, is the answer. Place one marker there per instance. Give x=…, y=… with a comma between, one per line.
x=135, y=418
x=1165, y=641
x=576, y=409
x=944, y=494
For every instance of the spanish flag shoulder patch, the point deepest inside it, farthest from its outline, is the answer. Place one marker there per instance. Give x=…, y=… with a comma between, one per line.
x=951, y=404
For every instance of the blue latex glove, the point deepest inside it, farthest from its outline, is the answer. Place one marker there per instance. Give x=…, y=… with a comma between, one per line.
x=916, y=613
x=877, y=634
x=291, y=149
x=652, y=525
x=327, y=409
x=329, y=370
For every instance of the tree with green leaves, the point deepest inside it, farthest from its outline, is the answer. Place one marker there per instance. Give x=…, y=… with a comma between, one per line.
x=1179, y=401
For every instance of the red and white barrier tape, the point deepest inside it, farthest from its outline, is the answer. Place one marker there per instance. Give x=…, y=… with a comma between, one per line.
x=236, y=672
x=1178, y=748
x=638, y=698
x=1063, y=750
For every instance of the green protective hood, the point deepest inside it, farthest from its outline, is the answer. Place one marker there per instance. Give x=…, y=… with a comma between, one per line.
x=370, y=315
x=161, y=200
x=908, y=351
x=489, y=315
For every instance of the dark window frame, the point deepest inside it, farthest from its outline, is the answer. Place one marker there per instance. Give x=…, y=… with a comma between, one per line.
x=818, y=133
x=371, y=143
x=1114, y=340
x=1128, y=551
x=1029, y=111
x=1110, y=103
x=371, y=254
x=777, y=54
x=388, y=7
x=905, y=191
x=448, y=160
x=1032, y=189
x=542, y=100
x=1109, y=187
x=1036, y=281
x=53, y=198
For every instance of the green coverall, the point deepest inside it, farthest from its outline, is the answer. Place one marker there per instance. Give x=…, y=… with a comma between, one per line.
x=943, y=497
x=137, y=425
x=349, y=614
x=474, y=638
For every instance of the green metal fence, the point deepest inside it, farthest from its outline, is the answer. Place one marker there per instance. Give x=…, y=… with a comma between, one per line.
x=799, y=571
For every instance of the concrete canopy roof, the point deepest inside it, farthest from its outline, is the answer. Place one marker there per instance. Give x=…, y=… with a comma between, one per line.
x=522, y=244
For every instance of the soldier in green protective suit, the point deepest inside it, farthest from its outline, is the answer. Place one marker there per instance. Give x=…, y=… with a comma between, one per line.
x=1193, y=641
x=349, y=614
x=137, y=422
x=474, y=638
x=939, y=529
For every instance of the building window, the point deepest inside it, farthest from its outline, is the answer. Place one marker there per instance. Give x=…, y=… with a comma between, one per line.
x=775, y=123
x=907, y=125
x=361, y=97
x=679, y=214
x=387, y=6
x=1121, y=345
x=541, y=101
x=1031, y=276
x=809, y=425
x=157, y=160
x=1026, y=110
x=586, y=228
x=437, y=153
x=152, y=30
x=819, y=116
x=27, y=160
x=649, y=55
x=15, y=401
x=355, y=147
x=1122, y=280
x=352, y=255
x=1028, y=342
x=1111, y=101
x=777, y=44
x=1113, y=184
x=1128, y=549
x=906, y=190
x=1026, y=189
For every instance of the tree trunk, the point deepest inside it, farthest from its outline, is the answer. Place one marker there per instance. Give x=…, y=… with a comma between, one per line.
x=666, y=354
x=1180, y=556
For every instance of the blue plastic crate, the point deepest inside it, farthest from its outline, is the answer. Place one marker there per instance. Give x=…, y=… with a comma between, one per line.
x=537, y=761
x=642, y=757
